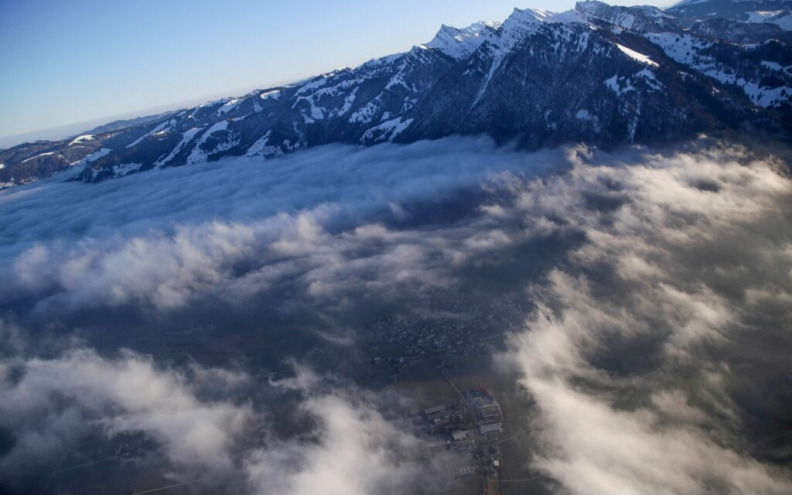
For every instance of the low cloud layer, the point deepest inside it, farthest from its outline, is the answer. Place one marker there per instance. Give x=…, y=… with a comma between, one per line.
x=659, y=355
x=52, y=405
x=161, y=239
x=50, y=402
x=655, y=341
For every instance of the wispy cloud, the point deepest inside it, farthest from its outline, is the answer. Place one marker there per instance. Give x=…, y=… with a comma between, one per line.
x=644, y=348
x=53, y=405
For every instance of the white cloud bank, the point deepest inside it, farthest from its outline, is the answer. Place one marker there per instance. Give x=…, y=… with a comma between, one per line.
x=56, y=403
x=654, y=356
x=633, y=355
x=159, y=239
x=55, y=400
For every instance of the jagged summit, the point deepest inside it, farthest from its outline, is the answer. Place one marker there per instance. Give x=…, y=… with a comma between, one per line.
x=527, y=17
x=460, y=43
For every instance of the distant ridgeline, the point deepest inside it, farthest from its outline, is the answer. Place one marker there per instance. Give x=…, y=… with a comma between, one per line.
x=598, y=74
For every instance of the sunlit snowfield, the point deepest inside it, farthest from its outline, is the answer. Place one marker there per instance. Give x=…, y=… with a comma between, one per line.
x=649, y=318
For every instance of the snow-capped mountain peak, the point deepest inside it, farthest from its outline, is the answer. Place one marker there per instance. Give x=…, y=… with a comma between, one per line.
x=529, y=19
x=460, y=43
x=525, y=22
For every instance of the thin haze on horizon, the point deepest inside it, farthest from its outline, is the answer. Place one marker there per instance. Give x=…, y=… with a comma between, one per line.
x=89, y=61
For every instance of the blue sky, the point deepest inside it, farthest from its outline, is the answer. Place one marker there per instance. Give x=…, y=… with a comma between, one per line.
x=79, y=60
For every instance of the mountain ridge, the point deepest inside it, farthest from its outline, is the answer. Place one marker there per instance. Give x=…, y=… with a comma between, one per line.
x=600, y=74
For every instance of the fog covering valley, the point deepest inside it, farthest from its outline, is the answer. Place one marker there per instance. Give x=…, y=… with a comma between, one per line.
x=633, y=308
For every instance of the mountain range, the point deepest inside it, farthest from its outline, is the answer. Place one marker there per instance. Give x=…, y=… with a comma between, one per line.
x=599, y=74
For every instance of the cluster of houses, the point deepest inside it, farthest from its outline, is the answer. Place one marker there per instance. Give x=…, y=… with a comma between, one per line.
x=471, y=428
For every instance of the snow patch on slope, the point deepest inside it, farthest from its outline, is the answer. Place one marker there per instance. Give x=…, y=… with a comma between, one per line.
x=186, y=138
x=80, y=139
x=784, y=22
x=92, y=157
x=229, y=106
x=683, y=48
x=199, y=155
x=348, y=101
x=781, y=18
x=619, y=85
x=365, y=114
x=40, y=155
x=637, y=56
x=271, y=95
x=126, y=168
x=387, y=131
x=263, y=148
x=163, y=126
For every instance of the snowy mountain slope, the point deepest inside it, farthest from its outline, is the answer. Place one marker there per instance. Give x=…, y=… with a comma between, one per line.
x=599, y=74
x=644, y=18
x=777, y=12
x=740, y=32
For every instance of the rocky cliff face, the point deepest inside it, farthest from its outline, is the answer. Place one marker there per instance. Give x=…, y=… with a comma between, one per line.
x=599, y=74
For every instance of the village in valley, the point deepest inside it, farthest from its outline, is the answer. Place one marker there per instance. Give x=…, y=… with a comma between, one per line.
x=471, y=427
